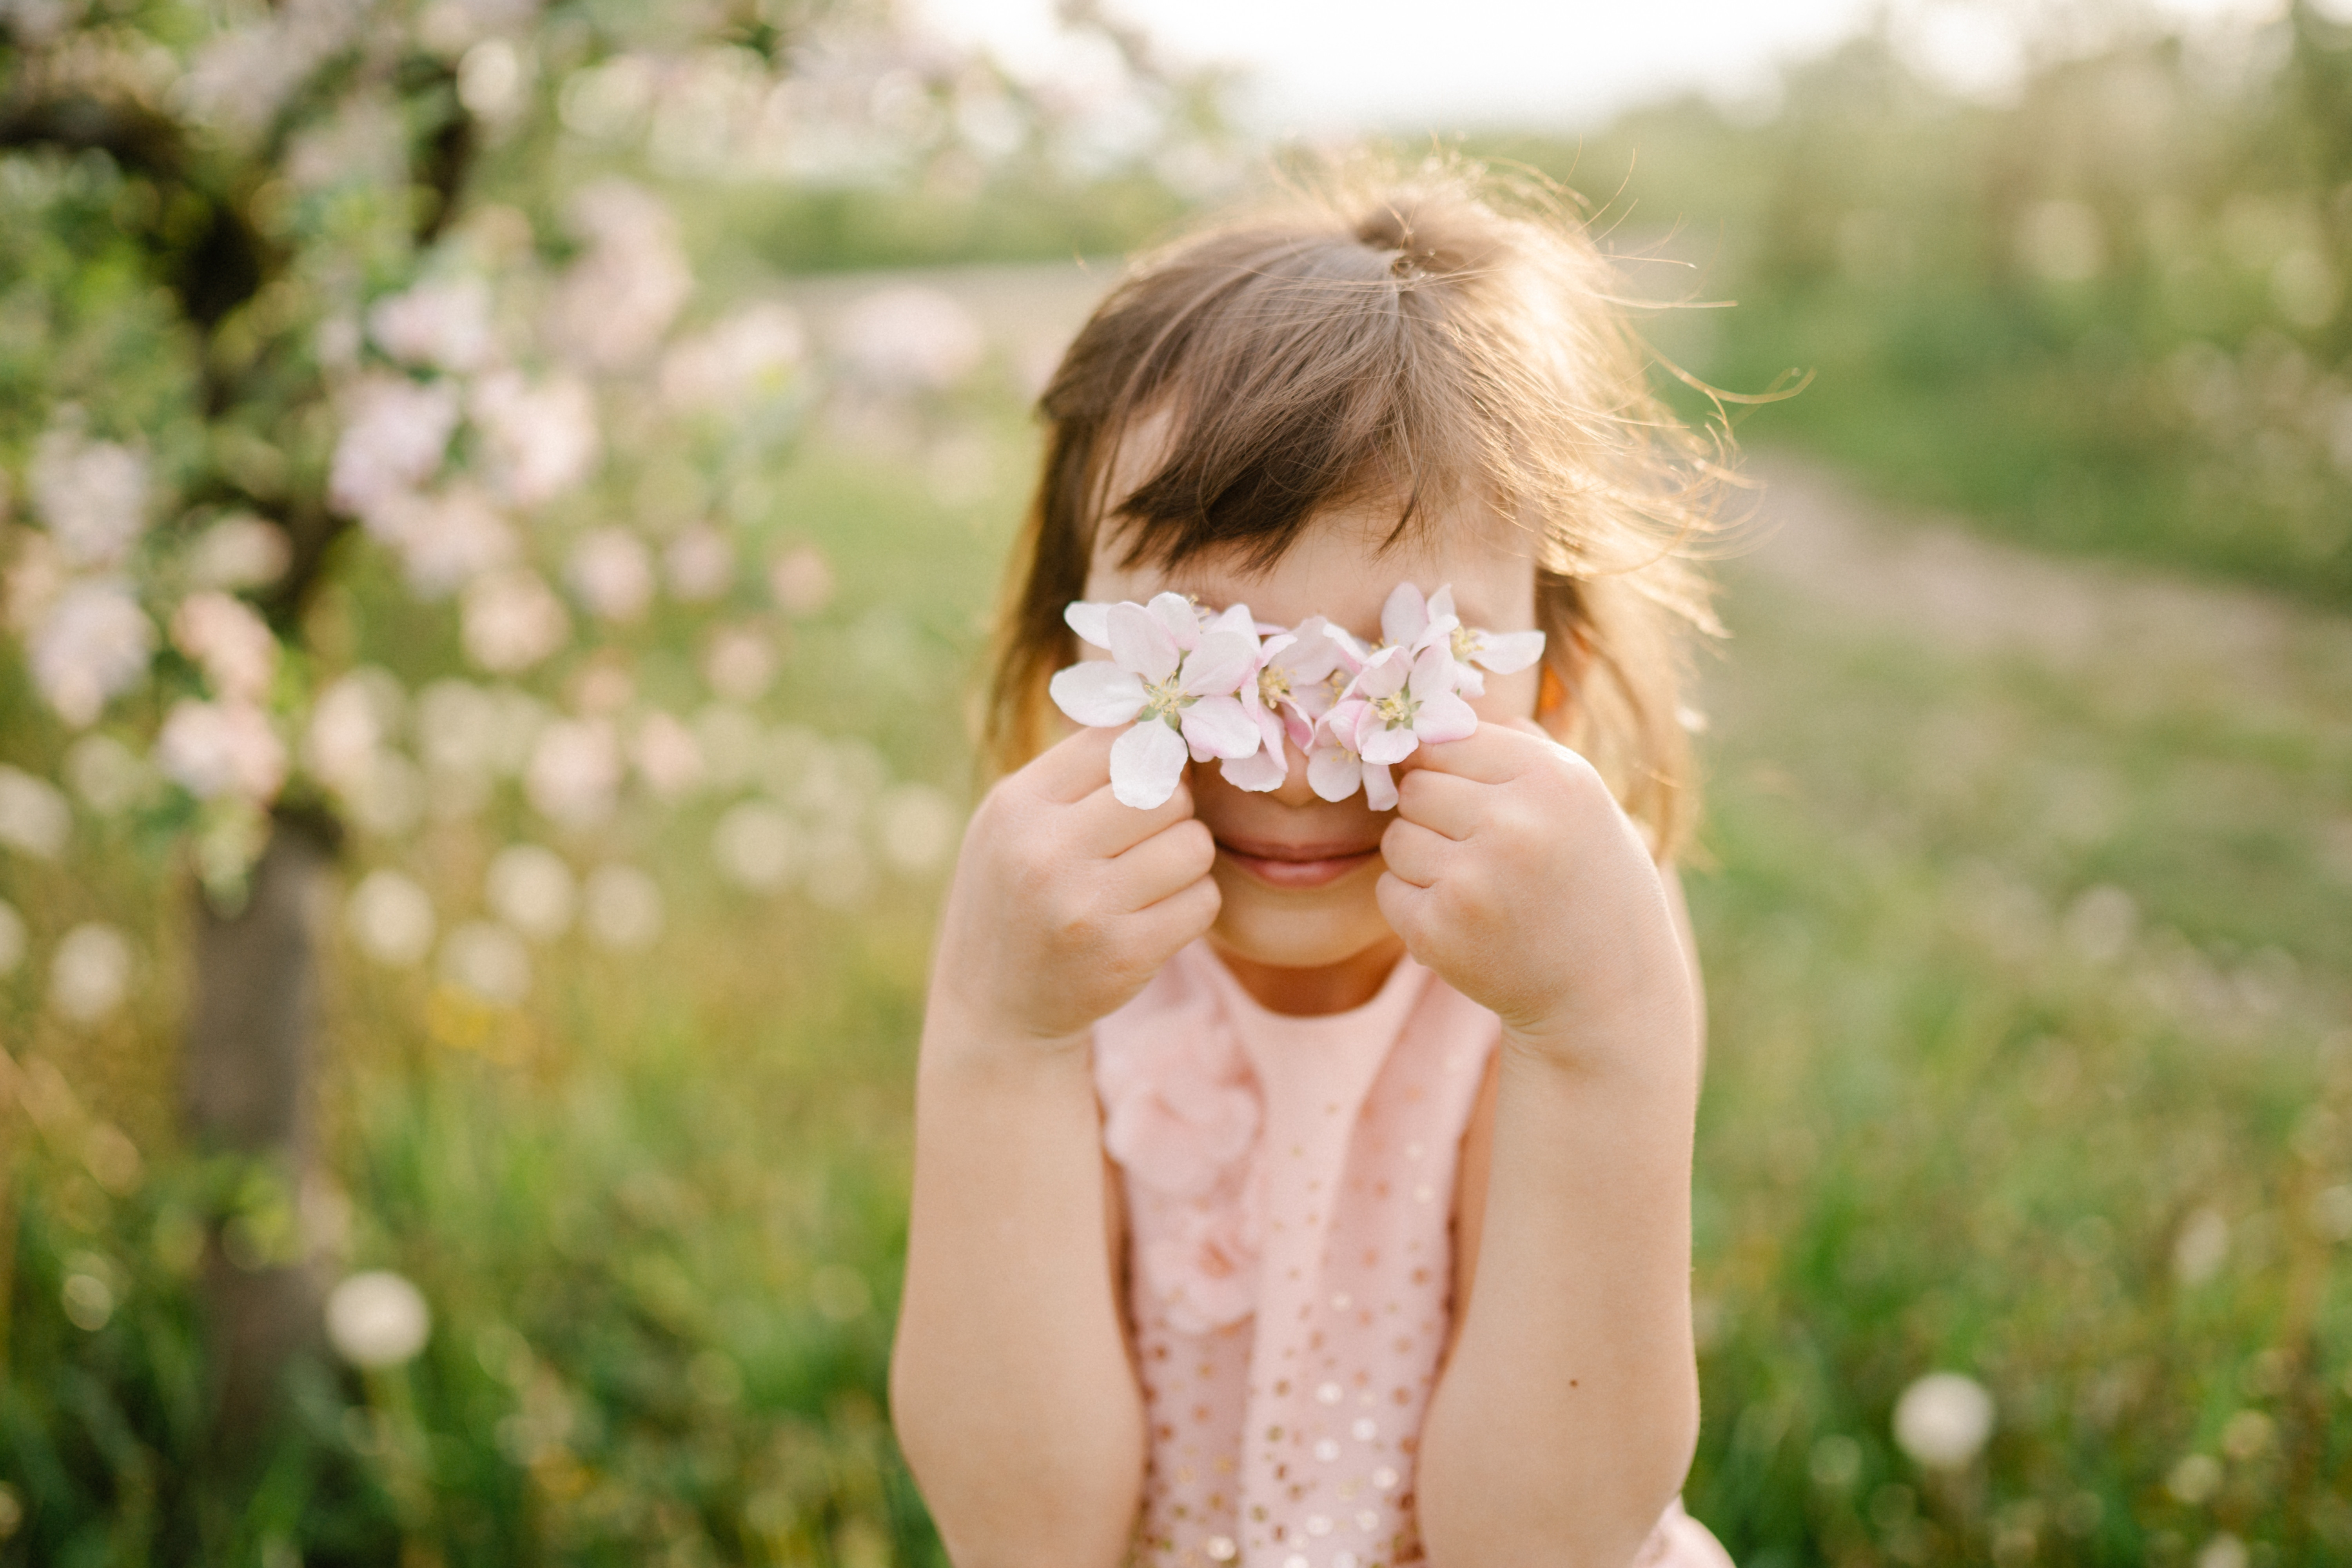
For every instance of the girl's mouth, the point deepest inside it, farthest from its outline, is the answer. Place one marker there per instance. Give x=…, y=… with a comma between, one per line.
x=1296, y=866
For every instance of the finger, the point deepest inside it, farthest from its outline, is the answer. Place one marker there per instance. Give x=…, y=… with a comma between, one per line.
x=1177, y=919
x=1071, y=769
x=1413, y=853
x=1173, y=859
x=1404, y=906
x=1103, y=826
x=1492, y=753
x=1443, y=803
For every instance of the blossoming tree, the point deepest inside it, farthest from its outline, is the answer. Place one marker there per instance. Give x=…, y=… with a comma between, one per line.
x=447, y=461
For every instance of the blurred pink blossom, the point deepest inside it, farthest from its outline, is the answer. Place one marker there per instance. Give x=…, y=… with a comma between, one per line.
x=908, y=338
x=236, y=652
x=33, y=580
x=34, y=816
x=739, y=663
x=613, y=573
x=92, y=645
x=618, y=299
x=447, y=539
x=91, y=495
x=352, y=719
x=749, y=355
x=542, y=440
x=395, y=432
x=802, y=580
x=701, y=563
x=443, y=323
x=239, y=550
x=511, y=620
x=214, y=749
x=574, y=777
x=669, y=756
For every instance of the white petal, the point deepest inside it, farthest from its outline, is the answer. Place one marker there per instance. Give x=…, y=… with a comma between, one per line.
x=1405, y=615
x=1175, y=612
x=1468, y=681
x=1384, y=674
x=1141, y=643
x=1220, y=727
x=1333, y=773
x=1383, y=744
x=1380, y=789
x=1440, y=604
x=1509, y=651
x=1235, y=618
x=1444, y=716
x=1220, y=664
x=1145, y=765
x=1433, y=673
x=1262, y=770
x=1097, y=692
x=1090, y=621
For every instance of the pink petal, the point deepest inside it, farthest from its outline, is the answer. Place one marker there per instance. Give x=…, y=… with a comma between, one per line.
x=1220, y=664
x=1509, y=651
x=1145, y=765
x=1444, y=716
x=1433, y=673
x=1090, y=621
x=1262, y=770
x=1175, y=612
x=1218, y=727
x=1236, y=618
x=1333, y=773
x=1097, y=692
x=1309, y=654
x=1380, y=789
x=1383, y=674
x=1405, y=615
x=1141, y=643
x=1382, y=745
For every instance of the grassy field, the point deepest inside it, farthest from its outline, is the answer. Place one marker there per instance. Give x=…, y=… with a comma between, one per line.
x=2028, y=924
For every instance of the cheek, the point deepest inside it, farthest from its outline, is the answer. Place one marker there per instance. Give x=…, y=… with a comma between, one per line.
x=1509, y=697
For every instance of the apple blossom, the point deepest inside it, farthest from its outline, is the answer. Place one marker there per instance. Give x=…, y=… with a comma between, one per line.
x=34, y=816
x=91, y=644
x=613, y=573
x=622, y=908
x=443, y=323
x=91, y=495
x=395, y=432
x=908, y=338
x=511, y=620
x=447, y=540
x=227, y=747
x=542, y=440
x=239, y=550
x=700, y=563
x=575, y=771
x=90, y=973
x=1174, y=680
x=1403, y=705
x=391, y=917
x=616, y=302
x=228, y=642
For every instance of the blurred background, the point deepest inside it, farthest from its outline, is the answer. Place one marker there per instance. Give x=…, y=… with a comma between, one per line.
x=500, y=501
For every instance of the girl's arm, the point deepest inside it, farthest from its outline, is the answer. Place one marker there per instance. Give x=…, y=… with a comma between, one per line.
x=1567, y=1412
x=1011, y=1385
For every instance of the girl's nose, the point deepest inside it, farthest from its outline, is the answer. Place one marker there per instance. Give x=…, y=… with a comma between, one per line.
x=1295, y=790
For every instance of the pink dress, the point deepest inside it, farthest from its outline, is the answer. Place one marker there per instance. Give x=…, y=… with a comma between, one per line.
x=1290, y=1186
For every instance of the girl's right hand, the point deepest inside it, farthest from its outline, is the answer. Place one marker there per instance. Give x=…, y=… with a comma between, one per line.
x=1065, y=903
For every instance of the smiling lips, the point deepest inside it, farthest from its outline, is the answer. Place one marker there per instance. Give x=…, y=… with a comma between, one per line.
x=1291, y=866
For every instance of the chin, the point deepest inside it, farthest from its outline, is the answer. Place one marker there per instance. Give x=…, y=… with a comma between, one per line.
x=1308, y=929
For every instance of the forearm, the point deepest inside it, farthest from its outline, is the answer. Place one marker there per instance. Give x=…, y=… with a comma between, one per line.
x=1011, y=1386
x=1566, y=1418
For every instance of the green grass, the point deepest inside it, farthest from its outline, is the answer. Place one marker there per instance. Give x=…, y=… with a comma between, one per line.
x=1952, y=1121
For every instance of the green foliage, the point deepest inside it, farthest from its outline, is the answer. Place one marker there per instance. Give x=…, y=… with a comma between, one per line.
x=2107, y=317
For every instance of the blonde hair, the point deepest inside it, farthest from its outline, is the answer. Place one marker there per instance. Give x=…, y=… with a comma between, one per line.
x=1448, y=336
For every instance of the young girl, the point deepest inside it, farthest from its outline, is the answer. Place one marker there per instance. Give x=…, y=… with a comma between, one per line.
x=1300, y=1182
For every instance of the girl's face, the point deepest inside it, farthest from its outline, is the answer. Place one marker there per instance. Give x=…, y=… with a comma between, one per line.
x=1297, y=872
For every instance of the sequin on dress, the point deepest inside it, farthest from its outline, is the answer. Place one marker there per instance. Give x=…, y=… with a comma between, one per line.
x=1289, y=1190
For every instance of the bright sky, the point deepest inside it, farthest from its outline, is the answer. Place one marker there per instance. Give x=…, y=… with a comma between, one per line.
x=1323, y=66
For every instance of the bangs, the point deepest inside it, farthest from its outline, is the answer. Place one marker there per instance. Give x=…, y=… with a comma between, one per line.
x=1275, y=376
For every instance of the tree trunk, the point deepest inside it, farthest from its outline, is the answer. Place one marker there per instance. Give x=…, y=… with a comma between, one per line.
x=246, y=1090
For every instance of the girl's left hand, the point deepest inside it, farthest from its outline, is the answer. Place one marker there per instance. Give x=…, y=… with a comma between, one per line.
x=1515, y=875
